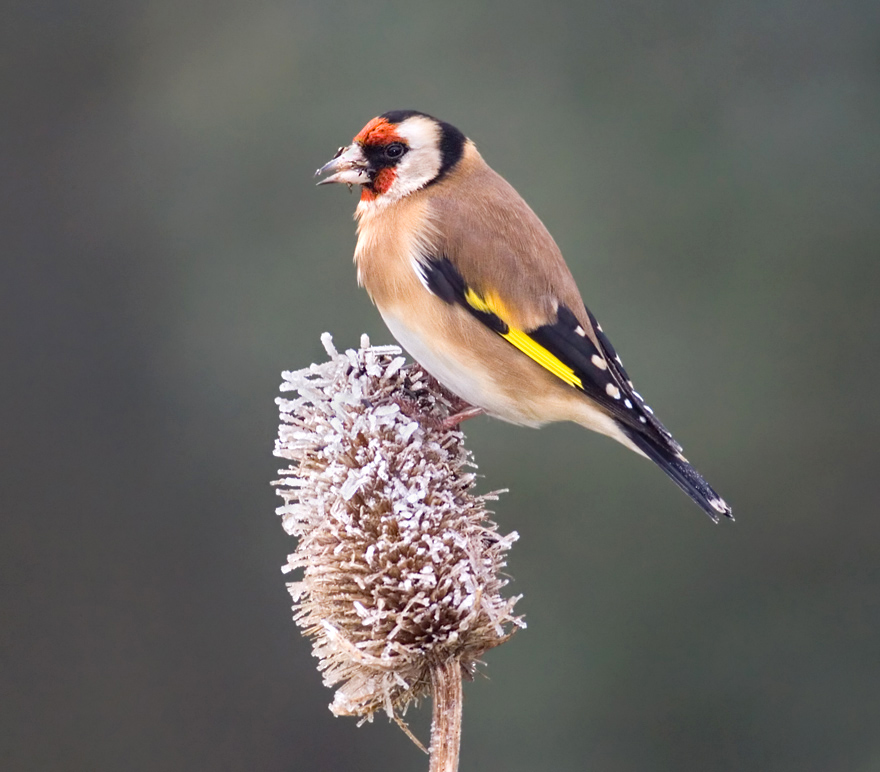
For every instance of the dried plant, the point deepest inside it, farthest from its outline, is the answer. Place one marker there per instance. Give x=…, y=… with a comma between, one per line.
x=401, y=584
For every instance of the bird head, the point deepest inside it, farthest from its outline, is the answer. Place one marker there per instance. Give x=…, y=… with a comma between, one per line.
x=396, y=154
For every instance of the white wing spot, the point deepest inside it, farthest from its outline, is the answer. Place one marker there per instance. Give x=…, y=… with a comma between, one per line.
x=637, y=395
x=643, y=419
x=612, y=391
x=627, y=403
x=617, y=357
x=649, y=410
x=599, y=362
x=580, y=331
x=719, y=505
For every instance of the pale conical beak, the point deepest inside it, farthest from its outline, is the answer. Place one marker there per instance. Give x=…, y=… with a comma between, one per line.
x=349, y=165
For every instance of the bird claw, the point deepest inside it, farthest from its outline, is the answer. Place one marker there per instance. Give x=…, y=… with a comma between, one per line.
x=411, y=408
x=462, y=415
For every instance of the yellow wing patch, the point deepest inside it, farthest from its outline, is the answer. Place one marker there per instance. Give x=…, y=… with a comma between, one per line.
x=493, y=305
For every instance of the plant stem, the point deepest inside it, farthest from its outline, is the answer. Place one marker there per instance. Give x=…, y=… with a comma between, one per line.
x=446, y=718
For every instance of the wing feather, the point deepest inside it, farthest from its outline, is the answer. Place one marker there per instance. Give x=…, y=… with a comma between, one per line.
x=562, y=347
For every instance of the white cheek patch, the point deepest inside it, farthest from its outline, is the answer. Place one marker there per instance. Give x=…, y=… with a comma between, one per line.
x=422, y=161
x=419, y=133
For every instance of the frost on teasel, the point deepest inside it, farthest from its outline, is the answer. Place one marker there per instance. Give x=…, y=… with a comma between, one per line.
x=401, y=565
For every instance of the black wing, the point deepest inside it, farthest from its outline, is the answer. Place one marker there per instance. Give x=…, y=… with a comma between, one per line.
x=566, y=350
x=595, y=370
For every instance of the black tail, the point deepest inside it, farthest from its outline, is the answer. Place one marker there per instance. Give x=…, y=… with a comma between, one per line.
x=682, y=474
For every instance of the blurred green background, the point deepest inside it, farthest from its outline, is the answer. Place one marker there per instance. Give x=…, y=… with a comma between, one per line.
x=711, y=171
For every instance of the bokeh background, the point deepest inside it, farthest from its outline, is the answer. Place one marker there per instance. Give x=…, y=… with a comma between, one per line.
x=712, y=172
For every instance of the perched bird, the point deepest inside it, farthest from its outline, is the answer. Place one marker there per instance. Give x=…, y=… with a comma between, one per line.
x=473, y=286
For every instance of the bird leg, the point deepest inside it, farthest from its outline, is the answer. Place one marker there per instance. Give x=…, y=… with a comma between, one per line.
x=460, y=410
x=410, y=407
x=461, y=415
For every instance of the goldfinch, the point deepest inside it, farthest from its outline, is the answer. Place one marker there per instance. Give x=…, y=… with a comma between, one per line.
x=473, y=286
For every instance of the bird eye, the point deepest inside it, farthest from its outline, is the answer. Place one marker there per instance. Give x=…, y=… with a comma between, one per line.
x=394, y=150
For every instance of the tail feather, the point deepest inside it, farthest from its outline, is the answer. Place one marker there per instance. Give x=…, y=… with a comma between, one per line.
x=682, y=474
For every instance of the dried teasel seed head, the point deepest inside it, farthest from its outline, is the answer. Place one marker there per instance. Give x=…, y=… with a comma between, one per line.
x=401, y=565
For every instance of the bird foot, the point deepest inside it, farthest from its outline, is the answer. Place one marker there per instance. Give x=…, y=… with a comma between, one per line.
x=462, y=415
x=464, y=411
